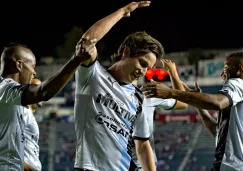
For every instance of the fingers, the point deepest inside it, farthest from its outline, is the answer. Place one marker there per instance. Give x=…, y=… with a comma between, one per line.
x=149, y=93
x=93, y=41
x=153, y=82
x=148, y=87
x=85, y=46
x=90, y=49
x=197, y=86
x=86, y=40
x=167, y=63
x=88, y=44
x=186, y=87
x=143, y=4
x=166, y=60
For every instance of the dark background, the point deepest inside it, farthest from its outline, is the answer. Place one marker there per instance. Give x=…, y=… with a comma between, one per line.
x=179, y=25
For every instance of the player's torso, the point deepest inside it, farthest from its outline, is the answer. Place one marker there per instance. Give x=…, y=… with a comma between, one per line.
x=104, y=114
x=12, y=135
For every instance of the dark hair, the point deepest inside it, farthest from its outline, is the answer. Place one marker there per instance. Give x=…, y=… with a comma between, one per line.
x=238, y=57
x=11, y=48
x=139, y=43
x=16, y=44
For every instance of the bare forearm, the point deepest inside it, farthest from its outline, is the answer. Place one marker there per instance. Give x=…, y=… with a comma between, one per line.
x=199, y=100
x=208, y=121
x=146, y=157
x=101, y=27
x=176, y=82
x=53, y=85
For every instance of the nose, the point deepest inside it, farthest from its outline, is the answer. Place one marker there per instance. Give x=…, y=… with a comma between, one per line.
x=144, y=70
x=34, y=73
x=222, y=73
x=39, y=104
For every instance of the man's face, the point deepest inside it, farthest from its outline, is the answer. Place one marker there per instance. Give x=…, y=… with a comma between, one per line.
x=230, y=69
x=27, y=72
x=135, y=67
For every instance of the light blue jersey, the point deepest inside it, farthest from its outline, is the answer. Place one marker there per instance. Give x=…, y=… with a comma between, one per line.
x=107, y=115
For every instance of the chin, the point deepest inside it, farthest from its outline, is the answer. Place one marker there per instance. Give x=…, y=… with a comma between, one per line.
x=225, y=80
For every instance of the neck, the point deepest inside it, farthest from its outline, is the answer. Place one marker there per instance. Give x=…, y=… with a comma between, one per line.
x=116, y=72
x=15, y=76
x=33, y=111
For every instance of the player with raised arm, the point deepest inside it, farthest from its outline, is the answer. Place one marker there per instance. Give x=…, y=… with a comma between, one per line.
x=228, y=101
x=150, y=105
x=108, y=108
x=16, y=92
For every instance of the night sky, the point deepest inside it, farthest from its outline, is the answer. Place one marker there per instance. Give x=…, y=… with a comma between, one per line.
x=179, y=25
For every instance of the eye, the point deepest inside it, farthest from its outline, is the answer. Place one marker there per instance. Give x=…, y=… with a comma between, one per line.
x=143, y=63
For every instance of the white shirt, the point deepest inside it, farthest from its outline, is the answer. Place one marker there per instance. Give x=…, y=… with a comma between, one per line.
x=229, y=149
x=106, y=115
x=11, y=125
x=31, y=147
x=149, y=106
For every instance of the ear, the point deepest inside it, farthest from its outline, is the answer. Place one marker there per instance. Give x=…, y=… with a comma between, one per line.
x=19, y=65
x=126, y=53
x=241, y=67
x=240, y=70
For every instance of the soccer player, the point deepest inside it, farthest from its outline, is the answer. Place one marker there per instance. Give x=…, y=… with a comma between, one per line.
x=107, y=106
x=16, y=92
x=228, y=101
x=168, y=104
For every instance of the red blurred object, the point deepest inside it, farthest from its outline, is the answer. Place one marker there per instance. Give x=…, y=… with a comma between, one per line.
x=159, y=73
x=150, y=73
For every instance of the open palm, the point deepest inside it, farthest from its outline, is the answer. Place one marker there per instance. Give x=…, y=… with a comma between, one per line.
x=134, y=5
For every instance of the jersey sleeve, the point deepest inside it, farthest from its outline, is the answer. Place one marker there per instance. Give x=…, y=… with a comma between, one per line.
x=166, y=104
x=141, y=126
x=84, y=74
x=233, y=89
x=11, y=91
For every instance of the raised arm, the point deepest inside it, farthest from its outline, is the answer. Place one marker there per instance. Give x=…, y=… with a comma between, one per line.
x=174, y=77
x=101, y=27
x=175, y=80
x=50, y=87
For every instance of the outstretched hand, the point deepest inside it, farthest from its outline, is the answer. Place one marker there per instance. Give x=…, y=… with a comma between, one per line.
x=155, y=89
x=168, y=65
x=134, y=5
x=85, y=48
